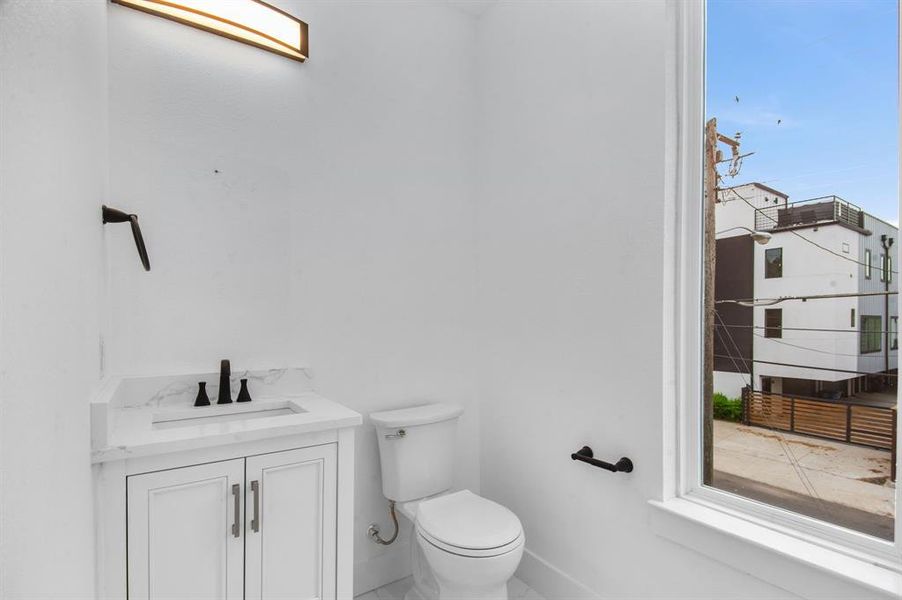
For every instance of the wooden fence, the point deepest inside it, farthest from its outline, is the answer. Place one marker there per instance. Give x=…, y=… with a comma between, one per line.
x=873, y=426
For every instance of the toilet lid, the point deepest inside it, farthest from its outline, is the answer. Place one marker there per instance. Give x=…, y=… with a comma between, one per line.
x=465, y=520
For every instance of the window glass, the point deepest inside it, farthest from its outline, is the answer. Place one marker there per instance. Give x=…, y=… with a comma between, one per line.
x=773, y=263
x=871, y=333
x=773, y=323
x=894, y=333
x=801, y=365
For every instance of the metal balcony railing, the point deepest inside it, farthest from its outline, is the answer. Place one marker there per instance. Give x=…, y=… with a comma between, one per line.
x=806, y=213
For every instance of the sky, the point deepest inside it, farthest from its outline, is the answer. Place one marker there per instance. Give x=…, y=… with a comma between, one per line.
x=827, y=70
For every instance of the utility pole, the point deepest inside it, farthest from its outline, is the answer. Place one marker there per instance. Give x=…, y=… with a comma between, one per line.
x=887, y=243
x=710, y=260
x=712, y=157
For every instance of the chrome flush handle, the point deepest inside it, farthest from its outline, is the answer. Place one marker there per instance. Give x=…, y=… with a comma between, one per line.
x=395, y=436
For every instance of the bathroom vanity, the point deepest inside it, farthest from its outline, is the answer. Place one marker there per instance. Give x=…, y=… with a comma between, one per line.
x=244, y=500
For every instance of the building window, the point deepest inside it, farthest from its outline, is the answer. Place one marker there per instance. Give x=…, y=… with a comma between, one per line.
x=852, y=320
x=773, y=322
x=894, y=333
x=867, y=264
x=773, y=263
x=889, y=269
x=882, y=267
x=870, y=333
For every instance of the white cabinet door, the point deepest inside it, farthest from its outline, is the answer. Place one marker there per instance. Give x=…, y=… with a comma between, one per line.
x=290, y=525
x=183, y=538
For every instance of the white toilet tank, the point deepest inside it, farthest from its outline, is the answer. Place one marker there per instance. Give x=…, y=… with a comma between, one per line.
x=416, y=447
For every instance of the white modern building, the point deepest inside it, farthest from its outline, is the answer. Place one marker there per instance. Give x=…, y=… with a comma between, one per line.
x=811, y=332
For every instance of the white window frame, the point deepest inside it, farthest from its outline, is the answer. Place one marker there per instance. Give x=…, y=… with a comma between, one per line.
x=684, y=319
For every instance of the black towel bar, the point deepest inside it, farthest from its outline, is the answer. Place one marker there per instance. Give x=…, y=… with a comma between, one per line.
x=586, y=455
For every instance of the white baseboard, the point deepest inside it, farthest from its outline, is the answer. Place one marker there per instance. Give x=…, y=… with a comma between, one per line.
x=382, y=569
x=549, y=581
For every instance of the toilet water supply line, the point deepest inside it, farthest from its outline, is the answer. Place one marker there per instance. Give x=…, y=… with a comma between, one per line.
x=373, y=530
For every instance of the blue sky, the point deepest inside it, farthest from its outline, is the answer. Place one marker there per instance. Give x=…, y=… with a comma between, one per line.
x=828, y=70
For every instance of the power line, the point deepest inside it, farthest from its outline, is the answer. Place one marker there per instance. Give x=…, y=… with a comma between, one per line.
x=797, y=234
x=752, y=302
x=779, y=341
x=748, y=368
x=785, y=343
x=802, y=329
x=780, y=364
x=787, y=449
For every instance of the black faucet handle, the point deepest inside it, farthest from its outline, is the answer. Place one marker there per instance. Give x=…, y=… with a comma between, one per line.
x=202, y=398
x=243, y=394
x=225, y=390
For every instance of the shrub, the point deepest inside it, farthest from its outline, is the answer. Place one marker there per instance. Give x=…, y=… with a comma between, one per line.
x=727, y=409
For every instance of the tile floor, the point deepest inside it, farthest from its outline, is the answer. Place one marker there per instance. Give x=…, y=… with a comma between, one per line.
x=516, y=589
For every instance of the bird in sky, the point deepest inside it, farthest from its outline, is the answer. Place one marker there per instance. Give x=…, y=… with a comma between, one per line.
x=737, y=98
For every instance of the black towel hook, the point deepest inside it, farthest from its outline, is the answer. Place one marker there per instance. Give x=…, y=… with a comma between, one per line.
x=112, y=215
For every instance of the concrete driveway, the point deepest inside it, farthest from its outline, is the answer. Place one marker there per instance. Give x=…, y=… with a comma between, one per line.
x=817, y=477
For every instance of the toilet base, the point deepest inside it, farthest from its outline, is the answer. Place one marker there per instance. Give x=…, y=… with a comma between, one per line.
x=470, y=578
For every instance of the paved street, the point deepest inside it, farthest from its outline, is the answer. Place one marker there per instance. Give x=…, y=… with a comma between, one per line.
x=817, y=477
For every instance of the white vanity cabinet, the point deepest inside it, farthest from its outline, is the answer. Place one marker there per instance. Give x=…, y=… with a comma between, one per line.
x=180, y=538
x=261, y=527
x=224, y=502
x=290, y=540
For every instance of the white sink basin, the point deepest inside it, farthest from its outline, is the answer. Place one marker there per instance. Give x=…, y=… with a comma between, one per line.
x=144, y=416
x=203, y=415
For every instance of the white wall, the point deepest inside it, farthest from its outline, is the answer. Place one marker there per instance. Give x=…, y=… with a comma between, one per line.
x=52, y=183
x=318, y=212
x=807, y=269
x=737, y=205
x=729, y=383
x=571, y=251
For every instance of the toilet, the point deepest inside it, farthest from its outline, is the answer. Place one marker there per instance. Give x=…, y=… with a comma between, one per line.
x=465, y=546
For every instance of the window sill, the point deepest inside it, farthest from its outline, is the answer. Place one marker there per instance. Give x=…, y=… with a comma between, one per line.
x=805, y=568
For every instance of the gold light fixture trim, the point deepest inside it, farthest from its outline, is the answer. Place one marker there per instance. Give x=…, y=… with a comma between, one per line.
x=251, y=22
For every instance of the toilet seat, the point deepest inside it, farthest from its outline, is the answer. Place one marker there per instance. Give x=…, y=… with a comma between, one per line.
x=471, y=552
x=468, y=525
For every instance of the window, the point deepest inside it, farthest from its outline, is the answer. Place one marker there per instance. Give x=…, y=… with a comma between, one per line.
x=773, y=322
x=894, y=333
x=802, y=378
x=889, y=269
x=773, y=263
x=871, y=333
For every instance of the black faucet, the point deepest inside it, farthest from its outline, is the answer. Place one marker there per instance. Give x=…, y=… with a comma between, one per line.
x=225, y=390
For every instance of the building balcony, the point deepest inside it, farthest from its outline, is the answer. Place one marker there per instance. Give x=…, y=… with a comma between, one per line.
x=814, y=212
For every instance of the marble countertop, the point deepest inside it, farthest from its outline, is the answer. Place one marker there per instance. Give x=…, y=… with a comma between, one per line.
x=143, y=416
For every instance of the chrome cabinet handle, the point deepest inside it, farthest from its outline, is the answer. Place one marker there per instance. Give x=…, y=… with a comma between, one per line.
x=396, y=436
x=255, y=522
x=236, y=495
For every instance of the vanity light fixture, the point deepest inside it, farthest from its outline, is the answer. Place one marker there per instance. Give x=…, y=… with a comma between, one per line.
x=252, y=22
